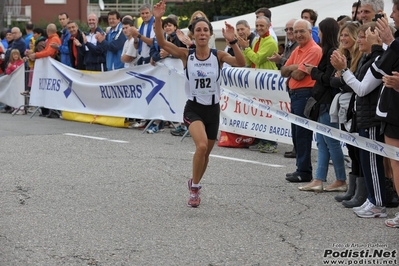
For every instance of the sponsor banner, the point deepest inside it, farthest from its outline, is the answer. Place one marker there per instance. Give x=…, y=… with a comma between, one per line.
x=11, y=87
x=145, y=91
x=267, y=87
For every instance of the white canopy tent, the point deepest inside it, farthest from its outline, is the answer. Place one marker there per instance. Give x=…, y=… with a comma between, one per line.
x=282, y=14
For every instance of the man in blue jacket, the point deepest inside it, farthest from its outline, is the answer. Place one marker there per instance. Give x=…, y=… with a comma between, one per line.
x=18, y=43
x=94, y=51
x=113, y=41
x=63, y=49
x=145, y=35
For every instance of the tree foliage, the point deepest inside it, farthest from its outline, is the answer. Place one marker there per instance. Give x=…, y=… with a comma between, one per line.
x=229, y=8
x=212, y=8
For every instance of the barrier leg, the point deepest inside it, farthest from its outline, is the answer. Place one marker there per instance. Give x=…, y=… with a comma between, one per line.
x=185, y=135
x=34, y=112
x=19, y=108
x=147, y=126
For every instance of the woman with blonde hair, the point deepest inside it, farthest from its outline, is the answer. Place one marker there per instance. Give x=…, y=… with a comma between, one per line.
x=348, y=44
x=189, y=39
x=349, y=48
x=14, y=62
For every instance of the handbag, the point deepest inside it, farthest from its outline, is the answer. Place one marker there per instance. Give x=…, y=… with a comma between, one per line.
x=311, y=110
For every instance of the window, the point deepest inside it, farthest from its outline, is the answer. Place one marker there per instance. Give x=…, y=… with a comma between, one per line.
x=55, y=1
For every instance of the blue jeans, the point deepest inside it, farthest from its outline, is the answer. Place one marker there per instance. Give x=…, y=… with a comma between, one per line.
x=329, y=148
x=301, y=136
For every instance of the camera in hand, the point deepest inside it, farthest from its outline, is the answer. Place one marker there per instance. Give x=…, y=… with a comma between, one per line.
x=377, y=16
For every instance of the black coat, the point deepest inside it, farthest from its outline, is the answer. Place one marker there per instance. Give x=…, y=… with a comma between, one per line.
x=366, y=105
x=322, y=90
x=389, y=98
x=80, y=52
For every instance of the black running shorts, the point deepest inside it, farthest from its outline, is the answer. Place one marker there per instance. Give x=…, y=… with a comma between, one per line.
x=208, y=114
x=391, y=130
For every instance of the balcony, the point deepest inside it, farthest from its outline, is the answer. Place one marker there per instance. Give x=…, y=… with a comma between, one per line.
x=132, y=9
x=17, y=13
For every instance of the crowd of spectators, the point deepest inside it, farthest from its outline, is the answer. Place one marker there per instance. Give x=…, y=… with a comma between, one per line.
x=337, y=65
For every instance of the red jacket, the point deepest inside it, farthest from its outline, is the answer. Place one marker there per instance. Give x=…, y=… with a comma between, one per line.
x=2, y=55
x=14, y=65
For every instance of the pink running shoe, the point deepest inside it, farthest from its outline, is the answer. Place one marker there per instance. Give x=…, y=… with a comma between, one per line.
x=194, y=200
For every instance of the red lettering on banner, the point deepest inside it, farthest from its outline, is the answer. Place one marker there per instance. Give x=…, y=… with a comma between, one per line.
x=238, y=107
x=254, y=111
x=287, y=106
x=245, y=109
x=223, y=102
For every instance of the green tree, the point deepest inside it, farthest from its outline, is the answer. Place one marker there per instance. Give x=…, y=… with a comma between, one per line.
x=229, y=8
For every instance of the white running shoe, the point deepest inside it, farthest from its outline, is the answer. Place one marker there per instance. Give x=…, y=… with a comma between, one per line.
x=372, y=211
x=364, y=205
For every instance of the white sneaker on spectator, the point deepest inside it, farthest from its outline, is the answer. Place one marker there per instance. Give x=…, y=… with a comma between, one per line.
x=139, y=124
x=18, y=111
x=364, y=205
x=372, y=211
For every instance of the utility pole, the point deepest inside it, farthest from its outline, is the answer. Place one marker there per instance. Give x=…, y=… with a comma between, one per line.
x=2, y=4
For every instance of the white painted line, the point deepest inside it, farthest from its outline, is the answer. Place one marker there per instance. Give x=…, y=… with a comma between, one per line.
x=244, y=161
x=98, y=138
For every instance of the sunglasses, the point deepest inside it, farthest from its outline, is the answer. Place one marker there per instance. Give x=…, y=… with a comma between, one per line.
x=288, y=29
x=356, y=23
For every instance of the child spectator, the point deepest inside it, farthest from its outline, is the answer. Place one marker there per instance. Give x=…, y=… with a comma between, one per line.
x=14, y=62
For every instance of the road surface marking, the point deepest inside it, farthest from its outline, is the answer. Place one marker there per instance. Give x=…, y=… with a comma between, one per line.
x=244, y=161
x=98, y=138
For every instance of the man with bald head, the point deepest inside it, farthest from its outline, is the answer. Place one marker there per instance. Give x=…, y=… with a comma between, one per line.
x=51, y=49
x=95, y=52
x=48, y=50
x=18, y=43
x=300, y=86
x=290, y=45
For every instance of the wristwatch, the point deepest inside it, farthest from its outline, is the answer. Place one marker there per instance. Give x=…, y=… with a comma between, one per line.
x=139, y=36
x=343, y=71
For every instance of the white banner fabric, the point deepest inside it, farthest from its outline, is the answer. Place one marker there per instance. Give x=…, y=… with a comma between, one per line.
x=265, y=86
x=11, y=87
x=253, y=102
x=145, y=91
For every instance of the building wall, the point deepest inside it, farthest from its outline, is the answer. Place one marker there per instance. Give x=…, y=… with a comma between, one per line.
x=76, y=10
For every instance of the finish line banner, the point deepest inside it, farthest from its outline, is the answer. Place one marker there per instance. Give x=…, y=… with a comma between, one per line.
x=11, y=86
x=145, y=91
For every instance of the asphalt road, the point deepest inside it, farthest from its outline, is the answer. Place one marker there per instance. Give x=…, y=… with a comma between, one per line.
x=120, y=199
